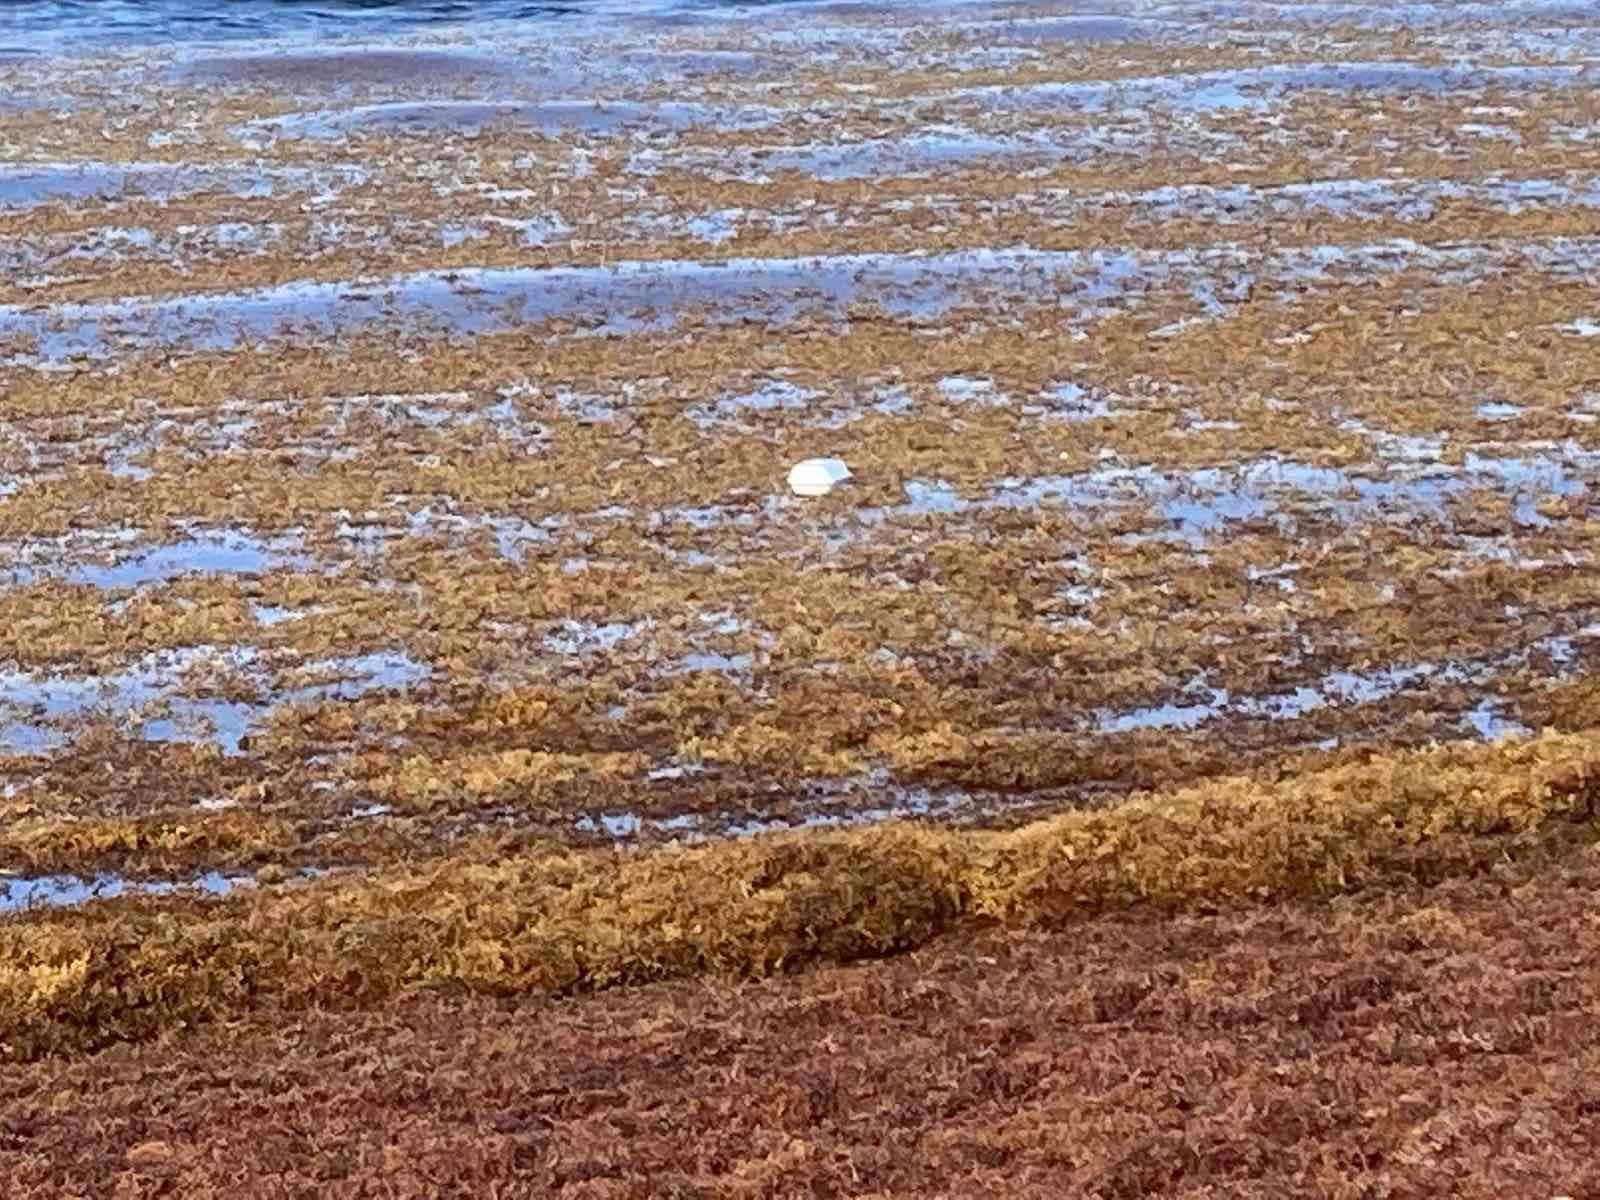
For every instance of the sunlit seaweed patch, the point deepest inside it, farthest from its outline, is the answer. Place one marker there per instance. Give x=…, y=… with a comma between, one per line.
x=560, y=921
x=393, y=483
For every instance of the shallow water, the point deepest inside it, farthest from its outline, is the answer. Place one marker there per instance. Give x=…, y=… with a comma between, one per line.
x=222, y=552
x=19, y=893
x=1254, y=88
x=833, y=807
x=1070, y=29
x=56, y=25
x=1414, y=16
x=1412, y=201
x=1200, y=502
x=347, y=66
x=550, y=117
x=28, y=185
x=637, y=296
x=59, y=24
x=918, y=154
x=38, y=709
x=1203, y=703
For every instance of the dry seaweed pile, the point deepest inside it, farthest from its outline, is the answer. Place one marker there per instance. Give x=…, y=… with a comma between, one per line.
x=392, y=446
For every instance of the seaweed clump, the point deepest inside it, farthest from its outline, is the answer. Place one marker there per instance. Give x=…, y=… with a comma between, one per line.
x=565, y=921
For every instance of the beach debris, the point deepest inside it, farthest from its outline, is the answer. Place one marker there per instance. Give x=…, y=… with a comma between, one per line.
x=817, y=476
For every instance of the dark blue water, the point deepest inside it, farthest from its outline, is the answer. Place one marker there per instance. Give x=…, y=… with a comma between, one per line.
x=56, y=24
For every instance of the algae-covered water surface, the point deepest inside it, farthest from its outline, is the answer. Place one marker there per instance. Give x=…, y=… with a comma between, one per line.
x=399, y=584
